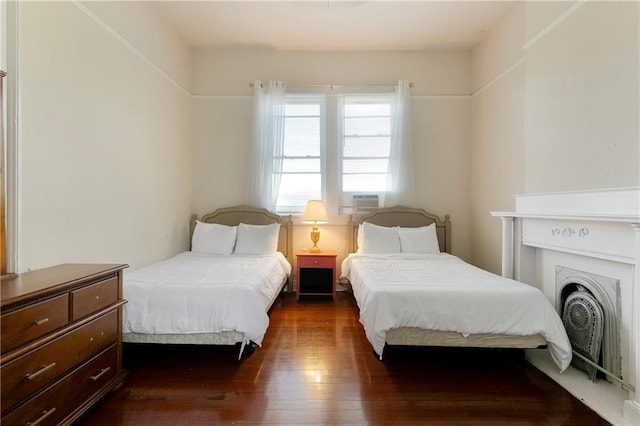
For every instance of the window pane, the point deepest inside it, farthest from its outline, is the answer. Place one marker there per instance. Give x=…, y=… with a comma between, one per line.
x=366, y=147
x=367, y=126
x=302, y=109
x=302, y=137
x=365, y=166
x=301, y=165
x=296, y=189
x=364, y=183
x=364, y=109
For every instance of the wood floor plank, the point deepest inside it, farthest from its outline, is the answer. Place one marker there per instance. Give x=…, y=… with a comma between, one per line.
x=316, y=367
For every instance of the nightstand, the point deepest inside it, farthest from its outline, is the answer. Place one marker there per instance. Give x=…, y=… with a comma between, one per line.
x=316, y=274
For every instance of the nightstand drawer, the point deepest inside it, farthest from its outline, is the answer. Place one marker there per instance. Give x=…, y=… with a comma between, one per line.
x=316, y=262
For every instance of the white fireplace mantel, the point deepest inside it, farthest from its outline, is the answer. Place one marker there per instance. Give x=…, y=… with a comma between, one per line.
x=603, y=225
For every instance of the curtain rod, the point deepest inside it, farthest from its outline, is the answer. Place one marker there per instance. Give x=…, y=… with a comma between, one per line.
x=332, y=85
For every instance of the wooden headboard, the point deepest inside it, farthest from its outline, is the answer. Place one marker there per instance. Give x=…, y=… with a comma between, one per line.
x=234, y=216
x=401, y=216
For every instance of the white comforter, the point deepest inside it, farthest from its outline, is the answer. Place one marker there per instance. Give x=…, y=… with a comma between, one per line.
x=442, y=292
x=199, y=293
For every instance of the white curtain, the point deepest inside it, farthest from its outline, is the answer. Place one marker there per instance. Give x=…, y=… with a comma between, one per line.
x=267, y=144
x=400, y=186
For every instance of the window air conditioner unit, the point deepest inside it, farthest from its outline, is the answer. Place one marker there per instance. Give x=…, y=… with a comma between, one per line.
x=364, y=203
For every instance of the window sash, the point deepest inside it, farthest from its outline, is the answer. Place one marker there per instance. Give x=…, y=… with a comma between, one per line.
x=303, y=159
x=365, y=146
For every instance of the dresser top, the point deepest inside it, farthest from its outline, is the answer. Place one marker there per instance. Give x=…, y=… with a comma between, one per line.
x=48, y=280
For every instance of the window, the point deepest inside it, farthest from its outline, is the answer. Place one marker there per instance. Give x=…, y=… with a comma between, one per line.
x=303, y=159
x=335, y=148
x=365, y=142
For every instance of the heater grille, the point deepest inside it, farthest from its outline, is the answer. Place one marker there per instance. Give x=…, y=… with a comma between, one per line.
x=583, y=319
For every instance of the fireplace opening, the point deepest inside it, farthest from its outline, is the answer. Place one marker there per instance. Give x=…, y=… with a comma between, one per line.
x=589, y=307
x=583, y=320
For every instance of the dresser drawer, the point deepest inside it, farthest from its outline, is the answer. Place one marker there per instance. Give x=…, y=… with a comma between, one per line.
x=35, y=370
x=23, y=325
x=55, y=403
x=316, y=262
x=87, y=300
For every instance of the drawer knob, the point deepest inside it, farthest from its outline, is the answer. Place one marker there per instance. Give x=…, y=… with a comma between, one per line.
x=41, y=321
x=100, y=374
x=31, y=376
x=316, y=262
x=44, y=415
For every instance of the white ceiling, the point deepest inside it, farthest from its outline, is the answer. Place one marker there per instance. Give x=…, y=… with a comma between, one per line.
x=334, y=24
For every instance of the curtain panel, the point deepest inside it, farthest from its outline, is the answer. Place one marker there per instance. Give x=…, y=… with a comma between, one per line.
x=400, y=184
x=267, y=144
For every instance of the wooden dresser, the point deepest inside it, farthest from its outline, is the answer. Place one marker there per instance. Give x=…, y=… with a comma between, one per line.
x=61, y=342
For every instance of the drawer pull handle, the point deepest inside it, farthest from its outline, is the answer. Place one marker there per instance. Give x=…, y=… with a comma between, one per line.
x=44, y=415
x=39, y=372
x=100, y=374
x=316, y=262
x=41, y=321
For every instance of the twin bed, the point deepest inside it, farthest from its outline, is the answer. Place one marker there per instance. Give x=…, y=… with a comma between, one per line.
x=410, y=290
x=218, y=293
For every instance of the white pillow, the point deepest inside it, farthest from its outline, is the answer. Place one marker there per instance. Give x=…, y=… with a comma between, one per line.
x=213, y=238
x=377, y=239
x=257, y=239
x=419, y=240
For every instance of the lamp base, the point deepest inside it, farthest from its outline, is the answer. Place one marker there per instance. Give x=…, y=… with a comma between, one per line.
x=315, y=237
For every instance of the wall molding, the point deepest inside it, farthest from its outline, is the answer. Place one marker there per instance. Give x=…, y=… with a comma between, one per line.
x=532, y=41
x=221, y=97
x=413, y=97
x=440, y=97
x=549, y=27
x=102, y=24
x=109, y=29
x=499, y=77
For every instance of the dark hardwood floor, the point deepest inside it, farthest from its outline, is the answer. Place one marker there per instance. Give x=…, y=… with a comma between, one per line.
x=316, y=367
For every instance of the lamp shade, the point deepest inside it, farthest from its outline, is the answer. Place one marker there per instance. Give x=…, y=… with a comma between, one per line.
x=315, y=212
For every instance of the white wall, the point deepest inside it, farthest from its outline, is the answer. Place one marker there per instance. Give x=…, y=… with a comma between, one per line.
x=496, y=152
x=582, y=103
x=104, y=139
x=441, y=123
x=555, y=108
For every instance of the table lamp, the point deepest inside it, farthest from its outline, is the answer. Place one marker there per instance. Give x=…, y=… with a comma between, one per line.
x=315, y=213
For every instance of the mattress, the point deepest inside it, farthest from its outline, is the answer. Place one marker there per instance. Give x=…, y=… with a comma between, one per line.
x=441, y=292
x=194, y=293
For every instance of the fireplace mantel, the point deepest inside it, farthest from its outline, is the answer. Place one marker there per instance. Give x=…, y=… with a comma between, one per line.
x=602, y=225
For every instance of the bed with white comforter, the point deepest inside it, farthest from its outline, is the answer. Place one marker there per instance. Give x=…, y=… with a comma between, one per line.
x=195, y=293
x=442, y=292
x=412, y=291
x=219, y=292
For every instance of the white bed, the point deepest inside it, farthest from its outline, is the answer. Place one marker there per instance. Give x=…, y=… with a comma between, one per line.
x=223, y=298
x=427, y=297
